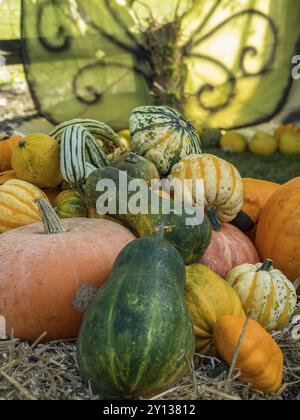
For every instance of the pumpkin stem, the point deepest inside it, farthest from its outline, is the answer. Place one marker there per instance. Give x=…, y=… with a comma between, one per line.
x=52, y=223
x=213, y=217
x=266, y=266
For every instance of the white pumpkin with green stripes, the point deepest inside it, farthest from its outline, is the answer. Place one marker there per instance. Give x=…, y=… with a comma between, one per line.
x=80, y=155
x=266, y=294
x=162, y=135
x=101, y=131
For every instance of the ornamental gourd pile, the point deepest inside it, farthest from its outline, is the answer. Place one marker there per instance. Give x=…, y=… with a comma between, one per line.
x=155, y=286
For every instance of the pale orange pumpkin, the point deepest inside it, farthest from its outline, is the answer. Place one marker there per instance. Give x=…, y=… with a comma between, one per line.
x=7, y=145
x=43, y=269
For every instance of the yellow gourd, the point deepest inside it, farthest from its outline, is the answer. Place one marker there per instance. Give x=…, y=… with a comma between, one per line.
x=290, y=143
x=263, y=144
x=37, y=160
x=234, y=143
x=208, y=297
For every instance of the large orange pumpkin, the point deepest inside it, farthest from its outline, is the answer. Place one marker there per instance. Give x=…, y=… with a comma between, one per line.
x=228, y=249
x=278, y=231
x=7, y=145
x=43, y=272
x=257, y=193
x=260, y=360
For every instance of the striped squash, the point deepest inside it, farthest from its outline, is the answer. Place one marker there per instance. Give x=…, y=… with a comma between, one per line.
x=266, y=293
x=222, y=184
x=106, y=136
x=162, y=135
x=80, y=155
x=16, y=204
x=7, y=176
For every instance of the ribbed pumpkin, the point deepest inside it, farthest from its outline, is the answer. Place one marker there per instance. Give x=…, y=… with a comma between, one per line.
x=137, y=167
x=69, y=204
x=36, y=159
x=260, y=360
x=229, y=248
x=7, y=145
x=48, y=273
x=137, y=338
x=222, y=183
x=208, y=297
x=16, y=204
x=257, y=193
x=266, y=294
x=7, y=176
x=278, y=230
x=162, y=135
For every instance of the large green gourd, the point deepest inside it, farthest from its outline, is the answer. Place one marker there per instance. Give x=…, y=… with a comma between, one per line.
x=137, y=337
x=190, y=241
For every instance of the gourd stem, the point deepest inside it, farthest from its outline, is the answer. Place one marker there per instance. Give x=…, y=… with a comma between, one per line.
x=131, y=158
x=52, y=223
x=266, y=266
x=213, y=217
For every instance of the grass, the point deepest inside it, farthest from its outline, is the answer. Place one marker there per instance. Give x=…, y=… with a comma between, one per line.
x=278, y=168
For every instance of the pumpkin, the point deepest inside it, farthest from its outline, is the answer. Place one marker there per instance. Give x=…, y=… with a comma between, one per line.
x=223, y=184
x=107, y=138
x=278, y=230
x=229, y=248
x=266, y=294
x=69, y=204
x=263, y=144
x=36, y=159
x=290, y=143
x=191, y=238
x=137, y=167
x=162, y=135
x=48, y=272
x=7, y=176
x=208, y=297
x=16, y=204
x=234, y=142
x=137, y=338
x=7, y=145
x=260, y=360
x=257, y=193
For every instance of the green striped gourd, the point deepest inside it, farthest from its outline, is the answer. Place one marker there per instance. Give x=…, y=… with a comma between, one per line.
x=162, y=135
x=69, y=204
x=137, y=338
x=266, y=294
x=80, y=155
x=190, y=240
x=101, y=131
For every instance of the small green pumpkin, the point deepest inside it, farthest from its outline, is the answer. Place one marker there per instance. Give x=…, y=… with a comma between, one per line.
x=137, y=338
x=162, y=135
x=190, y=240
x=69, y=204
x=137, y=167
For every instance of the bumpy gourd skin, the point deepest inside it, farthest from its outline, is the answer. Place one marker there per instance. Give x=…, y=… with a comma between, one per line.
x=137, y=335
x=190, y=241
x=260, y=359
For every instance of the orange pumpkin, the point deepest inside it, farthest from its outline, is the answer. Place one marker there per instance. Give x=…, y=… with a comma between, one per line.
x=7, y=145
x=278, y=230
x=43, y=271
x=260, y=360
x=257, y=193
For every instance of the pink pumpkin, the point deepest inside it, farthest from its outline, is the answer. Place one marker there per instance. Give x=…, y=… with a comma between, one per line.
x=228, y=249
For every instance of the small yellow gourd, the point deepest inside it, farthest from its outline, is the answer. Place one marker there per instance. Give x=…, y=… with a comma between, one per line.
x=234, y=143
x=263, y=144
x=290, y=143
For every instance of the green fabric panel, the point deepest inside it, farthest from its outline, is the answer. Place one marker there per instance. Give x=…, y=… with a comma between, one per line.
x=85, y=57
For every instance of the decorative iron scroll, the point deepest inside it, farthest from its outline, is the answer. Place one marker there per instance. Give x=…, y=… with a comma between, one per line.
x=59, y=40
